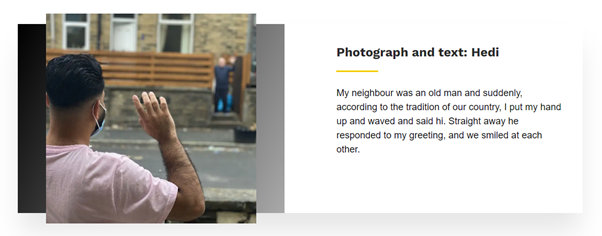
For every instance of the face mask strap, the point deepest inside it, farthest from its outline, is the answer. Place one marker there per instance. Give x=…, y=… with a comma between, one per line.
x=94, y=115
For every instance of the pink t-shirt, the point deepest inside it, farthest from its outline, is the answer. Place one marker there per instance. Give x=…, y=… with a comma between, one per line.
x=86, y=186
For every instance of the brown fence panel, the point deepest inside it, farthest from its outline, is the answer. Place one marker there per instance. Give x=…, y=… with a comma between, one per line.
x=150, y=68
x=246, y=78
x=239, y=86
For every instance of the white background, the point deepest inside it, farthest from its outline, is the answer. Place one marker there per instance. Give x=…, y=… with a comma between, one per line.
x=431, y=176
x=585, y=13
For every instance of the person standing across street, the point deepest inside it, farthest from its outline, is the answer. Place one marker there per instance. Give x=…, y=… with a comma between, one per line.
x=222, y=83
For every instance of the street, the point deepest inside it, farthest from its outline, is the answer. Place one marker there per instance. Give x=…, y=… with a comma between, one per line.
x=216, y=170
x=205, y=135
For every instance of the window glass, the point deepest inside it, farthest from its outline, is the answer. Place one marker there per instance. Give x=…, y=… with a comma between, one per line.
x=128, y=16
x=175, y=16
x=76, y=17
x=76, y=37
x=175, y=38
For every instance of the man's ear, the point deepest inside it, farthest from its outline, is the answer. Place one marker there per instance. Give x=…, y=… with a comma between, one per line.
x=47, y=101
x=97, y=109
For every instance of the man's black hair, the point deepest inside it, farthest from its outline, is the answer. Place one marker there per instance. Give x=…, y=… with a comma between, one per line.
x=73, y=79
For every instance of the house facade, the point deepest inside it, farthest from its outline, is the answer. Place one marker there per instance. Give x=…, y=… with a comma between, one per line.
x=218, y=34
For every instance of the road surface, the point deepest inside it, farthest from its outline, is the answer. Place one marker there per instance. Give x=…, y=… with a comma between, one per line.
x=216, y=169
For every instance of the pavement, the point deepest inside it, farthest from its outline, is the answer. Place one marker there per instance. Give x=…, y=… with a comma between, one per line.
x=220, y=163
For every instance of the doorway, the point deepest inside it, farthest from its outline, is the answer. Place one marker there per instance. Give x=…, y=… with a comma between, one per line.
x=123, y=34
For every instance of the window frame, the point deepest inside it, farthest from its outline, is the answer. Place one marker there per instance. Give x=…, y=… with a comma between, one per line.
x=161, y=22
x=123, y=20
x=86, y=26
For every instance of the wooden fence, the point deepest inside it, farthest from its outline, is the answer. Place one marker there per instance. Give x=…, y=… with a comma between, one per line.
x=151, y=68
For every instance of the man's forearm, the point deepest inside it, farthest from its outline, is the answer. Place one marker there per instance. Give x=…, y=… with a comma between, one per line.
x=180, y=169
x=156, y=120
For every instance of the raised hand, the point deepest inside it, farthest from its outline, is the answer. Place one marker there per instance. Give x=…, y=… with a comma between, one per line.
x=155, y=118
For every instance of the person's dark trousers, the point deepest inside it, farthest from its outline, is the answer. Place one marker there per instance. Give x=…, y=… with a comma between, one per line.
x=221, y=94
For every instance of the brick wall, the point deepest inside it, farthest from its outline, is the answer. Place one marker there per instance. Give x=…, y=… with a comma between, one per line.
x=58, y=28
x=48, y=34
x=190, y=107
x=58, y=31
x=105, y=33
x=93, y=31
x=220, y=34
x=147, y=26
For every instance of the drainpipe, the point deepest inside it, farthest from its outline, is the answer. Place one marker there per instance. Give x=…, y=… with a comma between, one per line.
x=99, y=31
x=52, y=30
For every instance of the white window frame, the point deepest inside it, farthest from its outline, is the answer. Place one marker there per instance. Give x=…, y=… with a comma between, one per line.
x=161, y=22
x=126, y=20
x=86, y=25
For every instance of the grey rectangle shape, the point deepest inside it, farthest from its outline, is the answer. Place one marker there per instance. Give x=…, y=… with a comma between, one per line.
x=270, y=119
x=31, y=169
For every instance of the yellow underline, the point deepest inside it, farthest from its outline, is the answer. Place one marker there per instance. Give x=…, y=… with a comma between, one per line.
x=357, y=70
